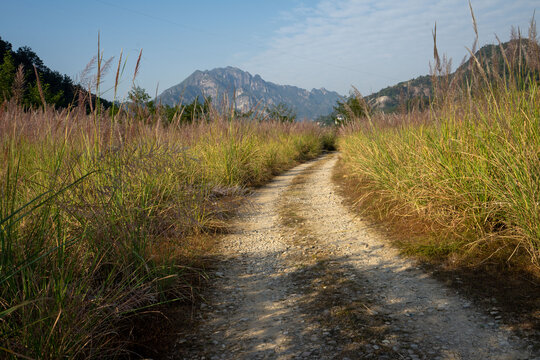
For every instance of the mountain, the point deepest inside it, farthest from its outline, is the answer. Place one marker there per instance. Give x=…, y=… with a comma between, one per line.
x=249, y=91
x=389, y=98
x=419, y=90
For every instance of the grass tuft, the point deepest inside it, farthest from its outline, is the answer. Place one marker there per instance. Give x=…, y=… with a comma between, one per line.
x=466, y=172
x=98, y=214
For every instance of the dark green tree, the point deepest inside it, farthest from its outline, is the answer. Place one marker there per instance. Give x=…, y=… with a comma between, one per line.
x=60, y=89
x=354, y=107
x=34, y=99
x=282, y=113
x=326, y=120
x=138, y=96
x=7, y=75
x=195, y=110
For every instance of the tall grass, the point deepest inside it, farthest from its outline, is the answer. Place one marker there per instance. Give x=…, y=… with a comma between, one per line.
x=95, y=213
x=469, y=168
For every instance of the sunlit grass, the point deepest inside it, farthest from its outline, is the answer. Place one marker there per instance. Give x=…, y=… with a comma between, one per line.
x=469, y=167
x=94, y=214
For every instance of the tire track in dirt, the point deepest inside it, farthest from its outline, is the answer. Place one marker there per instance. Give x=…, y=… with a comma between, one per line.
x=301, y=278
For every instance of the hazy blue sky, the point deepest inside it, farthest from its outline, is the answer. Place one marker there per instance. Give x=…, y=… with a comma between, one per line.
x=310, y=44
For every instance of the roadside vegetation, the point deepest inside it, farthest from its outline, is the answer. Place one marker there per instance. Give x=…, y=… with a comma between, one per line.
x=99, y=209
x=104, y=212
x=459, y=182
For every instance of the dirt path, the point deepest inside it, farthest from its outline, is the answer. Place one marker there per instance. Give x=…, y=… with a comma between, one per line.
x=302, y=278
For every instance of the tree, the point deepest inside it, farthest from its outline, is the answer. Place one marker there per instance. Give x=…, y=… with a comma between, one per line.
x=7, y=74
x=60, y=90
x=195, y=110
x=5, y=46
x=138, y=96
x=282, y=113
x=34, y=98
x=353, y=108
x=326, y=120
x=29, y=59
x=350, y=108
x=139, y=101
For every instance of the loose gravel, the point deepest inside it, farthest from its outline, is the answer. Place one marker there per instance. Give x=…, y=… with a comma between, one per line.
x=300, y=277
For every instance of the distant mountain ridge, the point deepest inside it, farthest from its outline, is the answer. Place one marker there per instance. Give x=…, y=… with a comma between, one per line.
x=249, y=91
x=420, y=89
x=389, y=98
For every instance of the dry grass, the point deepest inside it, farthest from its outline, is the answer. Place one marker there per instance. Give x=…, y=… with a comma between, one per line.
x=463, y=177
x=97, y=217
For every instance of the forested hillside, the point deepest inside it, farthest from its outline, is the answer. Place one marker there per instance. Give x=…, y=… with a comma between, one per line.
x=20, y=71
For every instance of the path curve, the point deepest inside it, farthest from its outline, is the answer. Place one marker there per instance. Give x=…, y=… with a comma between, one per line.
x=300, y=277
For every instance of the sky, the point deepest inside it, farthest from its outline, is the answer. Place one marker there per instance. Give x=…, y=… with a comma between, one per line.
x=310, y=44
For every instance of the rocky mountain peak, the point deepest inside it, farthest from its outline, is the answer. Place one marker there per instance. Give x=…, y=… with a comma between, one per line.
x=248, y=91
